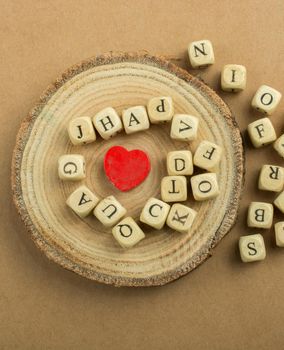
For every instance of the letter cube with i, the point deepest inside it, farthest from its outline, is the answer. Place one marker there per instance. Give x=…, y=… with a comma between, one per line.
x=107, y=122
x=279, y=202
x=233, y=77
x=181, y=218
x=109, y=211
x=155, y=213
x=261, y=132
x=207, y=156
x=174, y=189
x=271, y=178
x=127, y=233
x=260, y=215
x=160, y=109
x=82, y=201
x=180, y=163
x=279, y=146
x=201, y=53
x=252, y=248
x=204, y=186
x=81, y=131
x=184, y=127
x=71, y=167
x=266, y=99
x=279, y=233
x=135, y=119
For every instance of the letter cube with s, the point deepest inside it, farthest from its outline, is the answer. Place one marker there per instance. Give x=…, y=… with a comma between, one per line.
x=261, y=132
x=127, y=233
x=252, y=248
x=260, y=215
x=71, y=167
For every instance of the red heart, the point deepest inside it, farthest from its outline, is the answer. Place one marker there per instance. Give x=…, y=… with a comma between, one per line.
x=126, y=169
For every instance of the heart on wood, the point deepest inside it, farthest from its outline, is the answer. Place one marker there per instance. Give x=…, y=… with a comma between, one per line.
x=126, y=169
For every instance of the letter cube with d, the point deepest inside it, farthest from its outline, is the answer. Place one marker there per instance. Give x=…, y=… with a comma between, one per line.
x=82, y=201
x=71, y=167
x=271, y=178
x=107, y=122
x=266, y=99
x=160, y=109
x=201, y=53
x=181, y=218
x=204, y=186
x=109, y=211
x=127, y=233
x=260, y=215
x=207, y=156
x=261, y=132
x=179, y=163
x=155, y=213
x=252, y=248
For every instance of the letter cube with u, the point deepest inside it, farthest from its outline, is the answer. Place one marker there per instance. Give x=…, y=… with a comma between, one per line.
x=109, y=211
x=127, y=233
x=107, y=122
x=71, y=167
x=260, y=215
x=181, y=218
x=261, y=132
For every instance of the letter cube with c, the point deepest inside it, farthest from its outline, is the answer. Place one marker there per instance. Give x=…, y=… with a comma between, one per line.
x=266, y=99
x=160, y=109
x=261, y=132
x=181, y=218
x=260, y=215
x=155, y=213
x=127, y=233
x=107, y=122
x=204, y=186
x=271, y=178
x=252, y=248
x=109, y=211
x=71, y=167
x=179, y=163
x=207, y=156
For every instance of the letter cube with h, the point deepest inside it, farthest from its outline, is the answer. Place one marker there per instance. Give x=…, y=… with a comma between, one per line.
x=107, y=122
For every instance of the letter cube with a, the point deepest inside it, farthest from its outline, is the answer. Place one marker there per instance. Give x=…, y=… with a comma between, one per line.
x=184, y=127
x=181, y=218
x=155, y=213
x=82, y=201
x=279, y=202
x=135, y=119
x=160, y=109
x=207, y=156
x=201, y=53
x=81, y=131
x=233, y=77
x=174, y=189
x=279, y=146
x=107, y=122
x=127, y=233
x=261, y=132
x=271, y=178
x=260, y=215
x=71, y=167
x=109, y=211
x=204, y=186
x=180, y=163
x=252, y=248
x=266, y=99
x=279, y=233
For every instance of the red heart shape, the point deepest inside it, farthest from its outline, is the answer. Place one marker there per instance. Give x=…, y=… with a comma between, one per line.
x=126, y=169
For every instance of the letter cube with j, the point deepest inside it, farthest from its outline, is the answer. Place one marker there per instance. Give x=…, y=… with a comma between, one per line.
x=261, y=132
x=207, y=156
x=71, y=167
x=181, y=218
x=174, y=189
x=266, y=99
x=107, y=122
x=252, y=248
x=180, y=163
x=204, y=186
x=160, y=109
x=271, y=178
x=201, y=53
x=127, y=233
x=155, y=213
x=82, y=201
x=184, y=127
x=135, y=119
x=233, y=77
x=81, y=131
x=260, y=215
x=109, y=211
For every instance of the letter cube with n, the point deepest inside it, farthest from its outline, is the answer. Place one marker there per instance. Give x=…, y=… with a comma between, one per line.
x=160, y=109
x=71, y=167
x=252, y=248
x=260, y=215
x=266, y=99
x=261, y=132
x=179, y=163
x=135, y=119
x=184, y=127
x=271, y=178
x=201, y=53
x=204, y=186
x=127, y=233
x=81, y=131
x=107, y=122
x=207, y=156
x=82, y=201
x=109, y=211
x=155, y=213
x=181, y=218
x=233, y=77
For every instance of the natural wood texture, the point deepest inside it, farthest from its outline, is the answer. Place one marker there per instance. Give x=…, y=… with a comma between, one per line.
x=84, y=246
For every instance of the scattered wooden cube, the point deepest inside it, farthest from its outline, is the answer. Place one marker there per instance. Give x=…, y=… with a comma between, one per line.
x=279, y=146
x=204, y=186
x=82, y=201
x=135, y=119
x=81, y=131
x=181, y=218
x=279, y=233
x=109, y=211
x=207, y=156
x=266, y=99
x=201, y=53
x=180, y=163
x=252, y=248
x=155, y=213
x=279, y=202
x=184, y=127
x=107, y=122
x=271, y=178
x=261, y=132
x=160, y=109
x=260, y=215
x=174, y=189
x=71, y=167
x=233, y=77
x=127, y=233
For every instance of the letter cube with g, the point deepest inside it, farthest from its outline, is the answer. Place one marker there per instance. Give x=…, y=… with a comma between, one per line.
x=261, y=132
x=127, y=233
x=252, y=248
x=260, y=215
x=181, y=218
x=160, y=109
x=107, y=122
x=271, y=178
x=204, y=186
x=109, y=211
x=155, y=213
x=207, y=156
x=179, y=163
x=266, y=99
x=71, y=167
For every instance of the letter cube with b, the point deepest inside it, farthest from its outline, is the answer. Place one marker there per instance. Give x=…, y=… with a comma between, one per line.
x=261, y=132
x=204, y=186
x=109, y=211
x=81, y=131
x=207, y=156
x=184, y=127
x=279, y=233
x=82, y=201
x=107, y=122
x=127, y=233
x=252, y=248
x=71, y=167
x=279, y=146
x=135, y=119
x=155, y=213
x=201, y=53
x=266, y=99
x=271, y=178
x=160, y=109
x=181, y=218
x=260, y=215
x=174, y=189
x=233, y=77
x=180, y=163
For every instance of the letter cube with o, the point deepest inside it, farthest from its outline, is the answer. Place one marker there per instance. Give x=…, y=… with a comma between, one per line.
x=160, y=109
x=81, y=131
x=127, y=233
x=204, y=186
x=252, y=248
x=109, y=211
x=233, y=77
x=266, y=99
x=155, y=213
x=82, y=201
x=201, y=53
x=180, y=163
x=261, y=132
x=181, y=218
x=71, y=167
x=260, y=215
x=207, y=156
x=184, y=127
x=135, y=119
x=107, y=122
x=271, y=178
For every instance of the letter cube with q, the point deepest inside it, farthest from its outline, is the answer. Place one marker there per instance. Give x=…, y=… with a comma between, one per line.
x=127, y=233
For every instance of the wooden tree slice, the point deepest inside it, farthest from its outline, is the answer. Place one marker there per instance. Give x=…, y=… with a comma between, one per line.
x=84, y=246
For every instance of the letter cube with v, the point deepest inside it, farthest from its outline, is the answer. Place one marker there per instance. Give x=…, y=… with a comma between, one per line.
x=71, y=167
x=252, y=248
x=207, y=156
x=266, y=99
x=179, y=163
x=181, y=218
x=127, y=233
x=155, y=213
x=107, y=122
x=135, y=119
x=109, y=211
x=82, y=201
x=260, y=215
x=201, y=53
x=184, y=127
x=160, y=109
x=81, y=131
x=204, y=186
x=271, y=178
x=261, y=132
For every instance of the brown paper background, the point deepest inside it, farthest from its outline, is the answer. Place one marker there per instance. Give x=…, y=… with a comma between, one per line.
x=223, y=304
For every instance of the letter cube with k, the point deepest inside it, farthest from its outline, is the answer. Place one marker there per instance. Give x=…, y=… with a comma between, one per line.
x=260, y=215
x=181, y=218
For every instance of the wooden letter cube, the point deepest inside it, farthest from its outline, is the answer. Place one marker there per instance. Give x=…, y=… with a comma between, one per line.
x=82, y=201
x=252, y=248
x=261, y=132
x=181, y=218
x=127, y=233
x=266, y=99
x=260, y=215
x=71, y=167
x=233, y=77
x=81, y=131
x=279, y=146
x=160, y=109
x=271, y=178
x=179, y=163
x=279, y=233
x=155, y=213
x=174, y=189
x=279, y=202
x=109, y=211
x=204, y=186
x=135, y=119
x=107, y=122
x=184, y=127
x=201, y=53
x=207, y=156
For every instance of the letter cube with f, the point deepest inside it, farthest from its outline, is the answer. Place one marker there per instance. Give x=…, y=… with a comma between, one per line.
x=207, y=156
x=71, y=167
x=181, y=218
x=109, y=211
x=260, y=215
x=261, y=132
x=107, y=122
x=127, y=233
